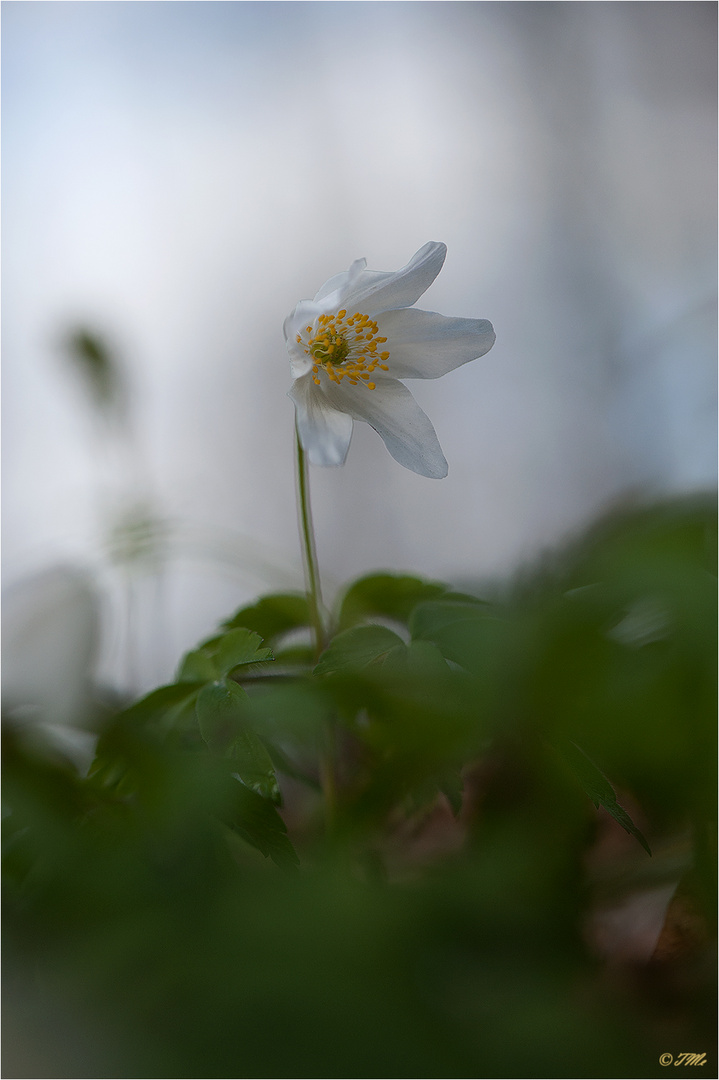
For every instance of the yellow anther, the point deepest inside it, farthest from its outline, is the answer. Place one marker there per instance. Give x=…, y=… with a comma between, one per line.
x=340, y=354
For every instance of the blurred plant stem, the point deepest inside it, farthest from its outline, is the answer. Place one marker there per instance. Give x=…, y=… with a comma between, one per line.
x=314, y=600
x=309, y=551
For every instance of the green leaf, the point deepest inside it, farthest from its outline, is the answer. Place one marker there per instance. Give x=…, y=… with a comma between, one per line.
x=296, y=656
x=238, y=647
x=159, y=702
x=273, y=615
x=220, y=655
x=124, y=742
x=418, y=664
x=219, y=713
x=197, y=666
x=254, y=765
x=291, y=713
x=464, y=598
x=599, y=790
x=257, y=821
x=429, y=619
x=466, y=632
x=282, y=764
x=356, y=648
x=128, y=746
x=391, y=595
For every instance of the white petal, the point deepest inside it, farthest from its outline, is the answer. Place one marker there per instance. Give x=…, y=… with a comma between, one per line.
x=374, y=291
x=340, y=283
x=425, y=345
x=391, y=410
x=325, y=432
x=304, y=315
x=298, y=320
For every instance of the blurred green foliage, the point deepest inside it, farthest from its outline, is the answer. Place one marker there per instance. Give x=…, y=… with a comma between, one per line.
x=382, y=863
x=93, y=359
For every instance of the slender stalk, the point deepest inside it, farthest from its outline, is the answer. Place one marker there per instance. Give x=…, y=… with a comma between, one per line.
x=314, y=598
x=309, y=552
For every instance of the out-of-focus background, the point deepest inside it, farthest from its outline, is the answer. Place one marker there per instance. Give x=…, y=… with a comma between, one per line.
x=177, y=175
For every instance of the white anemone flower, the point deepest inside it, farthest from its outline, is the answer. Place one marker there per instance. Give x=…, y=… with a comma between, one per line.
x=350, y=346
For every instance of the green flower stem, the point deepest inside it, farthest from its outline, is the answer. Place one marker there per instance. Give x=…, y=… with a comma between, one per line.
x=314, y=599
x=309, y=552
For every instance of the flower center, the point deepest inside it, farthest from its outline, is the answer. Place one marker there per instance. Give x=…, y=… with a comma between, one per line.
x=345, y=347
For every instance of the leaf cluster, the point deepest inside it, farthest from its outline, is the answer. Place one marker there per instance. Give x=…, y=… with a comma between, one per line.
x=373, y=862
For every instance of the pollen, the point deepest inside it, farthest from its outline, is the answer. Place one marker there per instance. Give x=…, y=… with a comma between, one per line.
x=343, y=347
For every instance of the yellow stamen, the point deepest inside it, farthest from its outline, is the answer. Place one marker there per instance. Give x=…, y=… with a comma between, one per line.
x=334, y=349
